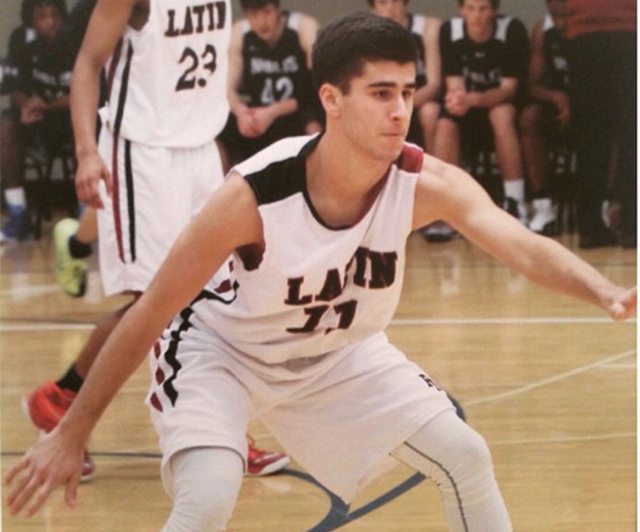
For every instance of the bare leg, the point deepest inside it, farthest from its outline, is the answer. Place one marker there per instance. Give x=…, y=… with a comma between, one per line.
x=447, y=141
x=104, y=328
x=428, y=115
x=88, y=229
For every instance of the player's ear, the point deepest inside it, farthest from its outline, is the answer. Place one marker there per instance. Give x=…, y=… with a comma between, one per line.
x=331, y=99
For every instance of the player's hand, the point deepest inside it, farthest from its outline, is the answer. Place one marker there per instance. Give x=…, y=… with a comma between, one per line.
x=32, y=110
x=246, y=121
x=624, y=305
x=47, y=464
x=91, y=170
x=264, y=117
x=456, y=102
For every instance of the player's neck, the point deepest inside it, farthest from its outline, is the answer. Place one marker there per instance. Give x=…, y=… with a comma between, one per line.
x=342, y=188
x=480, y=35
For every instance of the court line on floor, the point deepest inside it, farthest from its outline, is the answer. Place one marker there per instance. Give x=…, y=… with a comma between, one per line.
x=26, y=325
x=551, y=380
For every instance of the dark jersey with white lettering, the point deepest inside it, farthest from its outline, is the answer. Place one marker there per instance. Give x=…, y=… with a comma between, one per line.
x=275, y=73
x=484, y=64
x=36, y=67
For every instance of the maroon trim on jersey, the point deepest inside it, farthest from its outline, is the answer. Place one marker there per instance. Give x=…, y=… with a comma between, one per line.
x=410, y=159
x=115, y=179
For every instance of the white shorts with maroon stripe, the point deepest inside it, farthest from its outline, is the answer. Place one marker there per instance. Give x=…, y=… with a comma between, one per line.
x=156, y=192
x=338, y=415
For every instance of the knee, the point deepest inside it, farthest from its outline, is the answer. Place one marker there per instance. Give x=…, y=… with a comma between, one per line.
x=203, y=511
x=473, y=458
x=205, y=489
x=428, y=114
x=502, y=118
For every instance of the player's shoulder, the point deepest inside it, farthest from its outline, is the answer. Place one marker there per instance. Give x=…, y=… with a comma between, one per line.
x=453, y=29
x=509, y=26
x=277, y=172
x=437, y=174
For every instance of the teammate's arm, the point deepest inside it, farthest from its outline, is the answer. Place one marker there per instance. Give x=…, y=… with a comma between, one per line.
x=106, y=26
x=431, y=45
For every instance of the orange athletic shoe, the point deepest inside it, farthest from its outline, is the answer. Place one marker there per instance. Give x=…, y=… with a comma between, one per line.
x=261, y=463
x=45, y=406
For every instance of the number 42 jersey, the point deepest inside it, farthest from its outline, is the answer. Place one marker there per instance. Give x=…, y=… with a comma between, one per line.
x=167, y=81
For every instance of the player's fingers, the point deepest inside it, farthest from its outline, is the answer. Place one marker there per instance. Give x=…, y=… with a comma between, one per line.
x=71, y=489
x=14, y=470
x=22, y=491
x=40, y=496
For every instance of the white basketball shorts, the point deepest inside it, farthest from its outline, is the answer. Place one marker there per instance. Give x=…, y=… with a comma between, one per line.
x=156, y=192
x=340, y=423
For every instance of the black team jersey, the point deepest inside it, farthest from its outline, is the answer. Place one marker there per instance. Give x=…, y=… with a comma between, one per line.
x=484, y=64
x=275, y=73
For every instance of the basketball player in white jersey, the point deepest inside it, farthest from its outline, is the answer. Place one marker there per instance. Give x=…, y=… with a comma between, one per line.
x=316, y=228
x=166, y=64
x=426, y=30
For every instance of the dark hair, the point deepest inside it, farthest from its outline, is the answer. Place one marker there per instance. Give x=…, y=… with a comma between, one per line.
x=29, y=6
x=495, y=4
x=347, y=43
x=257, y=4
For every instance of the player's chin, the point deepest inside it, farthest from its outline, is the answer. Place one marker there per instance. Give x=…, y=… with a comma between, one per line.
x=392, y=145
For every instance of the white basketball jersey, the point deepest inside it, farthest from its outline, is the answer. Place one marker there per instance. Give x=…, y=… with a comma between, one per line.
x=167, y=81
x=313, y=289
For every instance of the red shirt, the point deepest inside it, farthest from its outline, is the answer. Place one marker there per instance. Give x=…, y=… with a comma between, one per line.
x=587, y=16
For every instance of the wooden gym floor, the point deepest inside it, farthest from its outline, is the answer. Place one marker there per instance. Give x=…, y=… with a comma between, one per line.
x=549, y=382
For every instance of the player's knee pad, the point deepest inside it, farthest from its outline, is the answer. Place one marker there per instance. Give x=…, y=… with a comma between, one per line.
x=206, y=485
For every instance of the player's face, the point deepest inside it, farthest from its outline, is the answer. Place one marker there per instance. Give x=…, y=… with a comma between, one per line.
x=393, y=9
x=376, y=111
x=478, y=15
x=46, y=21
x=265, y=21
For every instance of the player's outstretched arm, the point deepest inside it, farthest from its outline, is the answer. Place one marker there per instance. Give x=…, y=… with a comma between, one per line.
x=447, y=193
x=228, y=220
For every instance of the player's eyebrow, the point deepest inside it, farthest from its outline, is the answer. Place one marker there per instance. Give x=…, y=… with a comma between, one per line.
x=391, y=84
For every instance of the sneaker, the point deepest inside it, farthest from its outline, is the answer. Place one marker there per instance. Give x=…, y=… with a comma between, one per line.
x=71, y=273
x=545, y=217
x=261, y=463
x=17, y=227
x=438, y=232
x=45, y=406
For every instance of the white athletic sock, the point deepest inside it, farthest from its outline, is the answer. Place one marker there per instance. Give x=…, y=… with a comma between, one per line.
x=515, y=189
x=15, y=197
